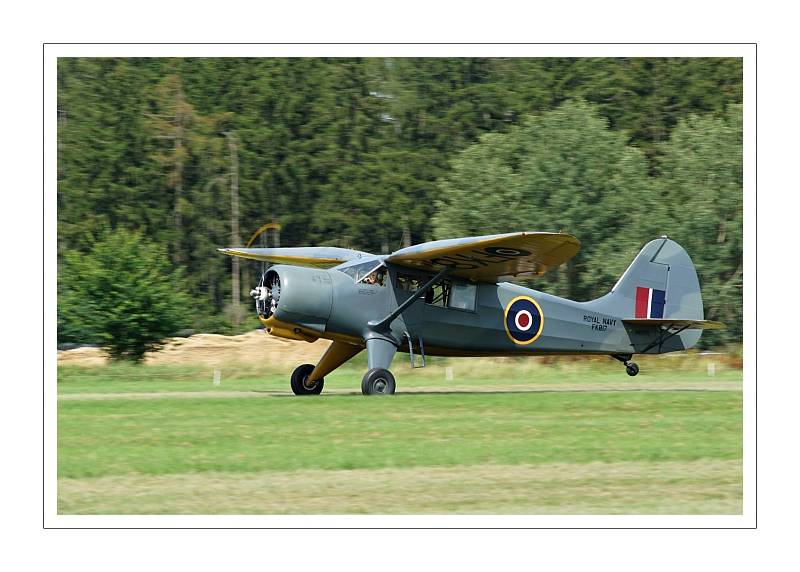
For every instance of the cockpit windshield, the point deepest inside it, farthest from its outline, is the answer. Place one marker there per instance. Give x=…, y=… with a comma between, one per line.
x=373, y=272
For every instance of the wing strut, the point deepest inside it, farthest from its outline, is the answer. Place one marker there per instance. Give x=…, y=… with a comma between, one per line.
x=382, y=324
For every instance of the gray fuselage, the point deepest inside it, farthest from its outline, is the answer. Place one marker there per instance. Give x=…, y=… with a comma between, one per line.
x=458, y=318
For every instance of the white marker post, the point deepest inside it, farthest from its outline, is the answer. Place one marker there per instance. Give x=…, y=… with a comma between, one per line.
x=448, y=373
x=712, y=369
x=217, y=376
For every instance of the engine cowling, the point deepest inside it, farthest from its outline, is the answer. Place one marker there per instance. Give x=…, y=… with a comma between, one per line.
x=293, y=299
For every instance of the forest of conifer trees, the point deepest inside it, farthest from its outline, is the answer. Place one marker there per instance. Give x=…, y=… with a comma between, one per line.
x=194, y=154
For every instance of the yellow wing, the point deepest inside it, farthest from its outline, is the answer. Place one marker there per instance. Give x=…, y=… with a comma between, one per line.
x=486, y=258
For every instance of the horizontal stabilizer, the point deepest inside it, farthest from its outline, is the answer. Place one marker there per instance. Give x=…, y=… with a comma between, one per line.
x=315, y=257
x=676, y=324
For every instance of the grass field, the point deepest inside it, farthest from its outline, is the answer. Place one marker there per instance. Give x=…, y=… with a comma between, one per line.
x=501, y=437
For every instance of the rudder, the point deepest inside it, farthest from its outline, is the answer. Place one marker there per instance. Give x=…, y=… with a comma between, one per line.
x=661, y=282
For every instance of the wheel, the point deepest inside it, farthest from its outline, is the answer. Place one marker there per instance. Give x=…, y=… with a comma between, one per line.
x=378, y=381
x=632, y=369
x=300, y=384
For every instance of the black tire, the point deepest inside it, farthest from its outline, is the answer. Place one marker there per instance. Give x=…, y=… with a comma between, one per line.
x=378, y=381
x=300, y=379
x=632, y=369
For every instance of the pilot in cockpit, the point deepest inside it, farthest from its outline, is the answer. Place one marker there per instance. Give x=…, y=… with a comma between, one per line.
x=376, y=278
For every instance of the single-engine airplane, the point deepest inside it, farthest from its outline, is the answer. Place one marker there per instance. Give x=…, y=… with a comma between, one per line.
x=445, y=298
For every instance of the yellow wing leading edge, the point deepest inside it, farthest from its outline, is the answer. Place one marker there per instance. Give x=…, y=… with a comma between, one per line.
x=314, y=257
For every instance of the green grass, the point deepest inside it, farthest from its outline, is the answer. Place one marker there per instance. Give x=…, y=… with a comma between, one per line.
x=586, y=446
x=509, y=373
x=163, y=436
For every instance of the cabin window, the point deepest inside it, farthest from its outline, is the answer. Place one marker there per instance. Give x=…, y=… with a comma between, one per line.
x=407, y=283
x=462, y=296
x=439, y=294
x=455, y=295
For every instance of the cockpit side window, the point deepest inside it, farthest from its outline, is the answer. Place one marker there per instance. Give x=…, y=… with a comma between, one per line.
x=376, y=277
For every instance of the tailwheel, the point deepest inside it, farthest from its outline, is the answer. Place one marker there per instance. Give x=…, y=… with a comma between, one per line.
x=378, y=381
x=630, y=368
x=300, y=383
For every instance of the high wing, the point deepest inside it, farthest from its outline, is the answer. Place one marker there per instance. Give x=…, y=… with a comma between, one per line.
x=673, y=324
x=315, y=257
x=487, y=258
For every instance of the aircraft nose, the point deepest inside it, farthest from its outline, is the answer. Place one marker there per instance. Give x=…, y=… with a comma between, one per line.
x=301, y=296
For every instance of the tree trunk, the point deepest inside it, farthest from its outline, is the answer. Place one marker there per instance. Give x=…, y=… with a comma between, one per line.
x=178, y=175
x=235, y=286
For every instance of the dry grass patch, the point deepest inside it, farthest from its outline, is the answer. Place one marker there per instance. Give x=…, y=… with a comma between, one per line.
x=691, y=487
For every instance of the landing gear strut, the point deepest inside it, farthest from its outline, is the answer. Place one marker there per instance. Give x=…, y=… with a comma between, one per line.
x=630, y=368
x=300, y=383
x=378, y=379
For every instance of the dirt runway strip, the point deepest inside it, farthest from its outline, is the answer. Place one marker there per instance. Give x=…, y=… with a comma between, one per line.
x=434, y=390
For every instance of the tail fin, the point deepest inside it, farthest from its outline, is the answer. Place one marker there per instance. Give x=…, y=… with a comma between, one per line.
x=660, y=283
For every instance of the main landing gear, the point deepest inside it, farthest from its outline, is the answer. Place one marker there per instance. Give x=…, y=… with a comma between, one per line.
x=378, y=381
x=630, y=368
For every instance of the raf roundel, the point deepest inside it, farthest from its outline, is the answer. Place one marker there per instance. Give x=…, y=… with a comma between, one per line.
x=523, y=320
